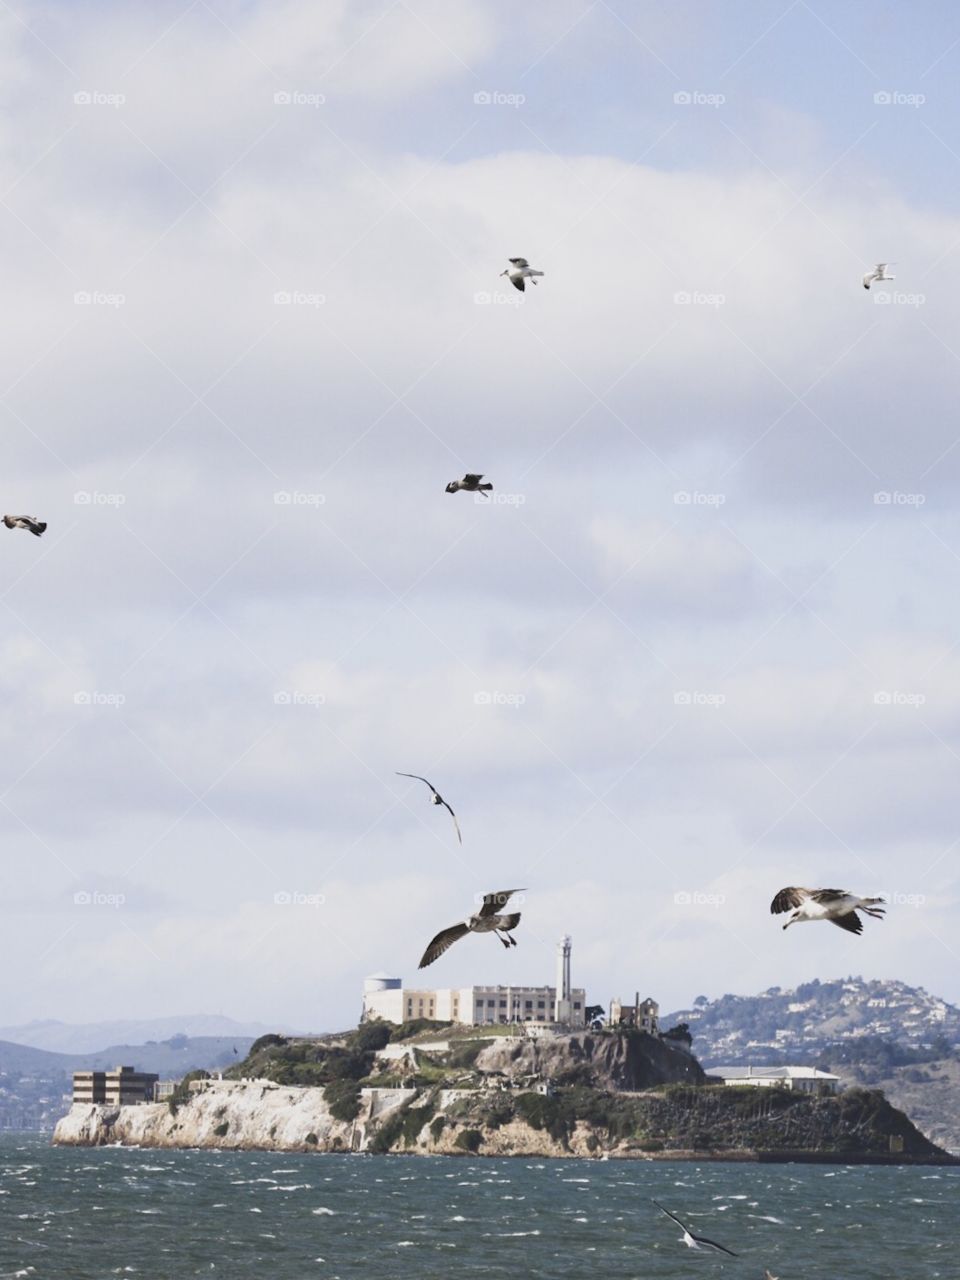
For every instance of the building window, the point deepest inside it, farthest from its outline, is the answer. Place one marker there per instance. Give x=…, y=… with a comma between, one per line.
x=541, y=1005
x=576, y=1004
x=528, y=1004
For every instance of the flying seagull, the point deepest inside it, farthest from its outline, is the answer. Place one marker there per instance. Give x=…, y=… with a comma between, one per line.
x=879, y=272
x=835, y=905
x=35, y=526
x=486, y=920
x=519, y=271
x=696, y=1242
x=437, y=798
x=469, y=484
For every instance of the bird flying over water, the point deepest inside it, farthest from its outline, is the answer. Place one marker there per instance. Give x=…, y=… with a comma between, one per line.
x=520, y=270
x=696, y=1242
x=469, y=484
x=35, y=526
x=487, y=920
x=879, y=272
x=437, y=798
x=836, y=905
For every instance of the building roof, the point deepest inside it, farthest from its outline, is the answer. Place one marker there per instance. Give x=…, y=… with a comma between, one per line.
x=769, y=1073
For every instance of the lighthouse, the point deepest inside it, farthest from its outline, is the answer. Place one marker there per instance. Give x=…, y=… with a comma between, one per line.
x=563, y=1007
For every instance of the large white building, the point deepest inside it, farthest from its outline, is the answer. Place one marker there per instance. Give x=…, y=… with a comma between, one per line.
x=386, y=997
x=800, y=1079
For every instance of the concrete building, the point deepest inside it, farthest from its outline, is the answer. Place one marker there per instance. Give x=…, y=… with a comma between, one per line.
x=644, y=1015
x=119, y=1088
x=386, y=997
x=800, y=1079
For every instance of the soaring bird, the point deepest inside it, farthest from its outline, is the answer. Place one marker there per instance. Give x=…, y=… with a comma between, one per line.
x=879, y=272
x=469, y=484
x=519, y=271
x=836, y=905
x=35, y=526
x=696, y=1242
x=486, y=920
x=437, y=798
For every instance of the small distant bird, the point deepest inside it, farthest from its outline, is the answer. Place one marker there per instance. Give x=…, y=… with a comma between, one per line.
x=836, y=905
x=486, y=920
x=879, y=272
x=768, y=1275
x=35, y=526
x=235, y=1051
x=696, y=1242
x=469, y=484
x=519, y=271
x=437, y=798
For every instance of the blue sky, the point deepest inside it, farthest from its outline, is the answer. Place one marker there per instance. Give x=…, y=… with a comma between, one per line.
x=701, y=646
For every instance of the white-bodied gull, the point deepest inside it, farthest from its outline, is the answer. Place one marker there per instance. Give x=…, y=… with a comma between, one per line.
x=469, y=484
x=35, y=526
x=879, y=272
x=836, y=905
x=487, y=920
x=696, y=1242
x=520, y=270
x=437, y=798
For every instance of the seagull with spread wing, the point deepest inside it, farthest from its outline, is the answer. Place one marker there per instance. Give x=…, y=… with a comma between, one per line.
x=696, y=1242
x=469, y=484
x=836, y=905
x=879, y=272
x=487, y=920
x=437, y=798
x=520, y=270
x=35, y=526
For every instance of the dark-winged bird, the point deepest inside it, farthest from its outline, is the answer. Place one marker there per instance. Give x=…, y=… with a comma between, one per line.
x=35, y=526
x=520, y=270
x=487, y=920
x=836, y=905
x=469, y=484
x=437, y=798
x=696, y=1242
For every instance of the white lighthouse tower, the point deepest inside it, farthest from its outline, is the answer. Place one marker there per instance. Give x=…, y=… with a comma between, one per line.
x=563, y=1007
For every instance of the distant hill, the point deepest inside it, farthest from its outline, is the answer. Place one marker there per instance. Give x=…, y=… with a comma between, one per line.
x=90, y=1037
x=780, y=1025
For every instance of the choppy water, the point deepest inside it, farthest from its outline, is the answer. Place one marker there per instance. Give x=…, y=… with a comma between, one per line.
x=81, y=1214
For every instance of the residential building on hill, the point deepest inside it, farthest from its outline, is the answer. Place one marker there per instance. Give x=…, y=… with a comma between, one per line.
x=120, y=1087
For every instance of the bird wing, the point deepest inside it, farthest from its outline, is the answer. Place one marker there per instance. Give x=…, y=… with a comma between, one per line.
x=518, y=284
x=787, y=899
x=519, y=262
x=445, y=938
x=713, y=1245
x=492, y=902
x=471, y=477
x=881, y=267
x=670, y=1215
x=849, y=921
x=454, y=817
x=418, y=778
x=829, y=895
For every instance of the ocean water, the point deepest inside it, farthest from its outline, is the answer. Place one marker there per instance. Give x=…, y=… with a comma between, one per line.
x=83, y=1214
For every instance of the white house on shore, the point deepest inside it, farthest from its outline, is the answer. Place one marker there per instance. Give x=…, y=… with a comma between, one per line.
x=799, y=1079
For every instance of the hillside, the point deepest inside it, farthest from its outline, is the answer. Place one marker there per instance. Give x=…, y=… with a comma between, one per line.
x=91, y=1037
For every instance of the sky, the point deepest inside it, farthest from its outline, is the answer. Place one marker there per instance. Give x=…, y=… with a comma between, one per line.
x=702, y=644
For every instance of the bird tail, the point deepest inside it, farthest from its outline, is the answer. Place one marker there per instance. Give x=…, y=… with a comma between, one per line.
x=510, y=922
x=38, y=528
x=873, y=902
x=486, y=487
